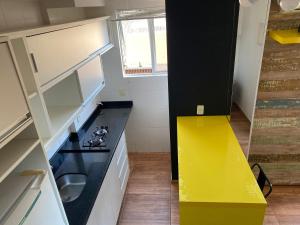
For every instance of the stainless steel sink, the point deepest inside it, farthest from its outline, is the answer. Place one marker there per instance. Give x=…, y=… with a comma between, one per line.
x=70, y=186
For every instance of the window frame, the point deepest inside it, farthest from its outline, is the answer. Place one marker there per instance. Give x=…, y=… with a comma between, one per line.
x=151, y=32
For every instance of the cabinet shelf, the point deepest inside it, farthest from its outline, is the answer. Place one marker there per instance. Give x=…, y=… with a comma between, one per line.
x=14, y=153
x=62, y=116
x=285, y=36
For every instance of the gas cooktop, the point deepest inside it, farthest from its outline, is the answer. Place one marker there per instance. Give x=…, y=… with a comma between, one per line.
x=93, y=137
x=99, y=132
x=97, y=138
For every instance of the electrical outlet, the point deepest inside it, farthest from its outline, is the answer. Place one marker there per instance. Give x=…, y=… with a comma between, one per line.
x=200, y=109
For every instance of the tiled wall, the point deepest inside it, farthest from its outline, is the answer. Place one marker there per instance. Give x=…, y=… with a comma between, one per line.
x=19, y=14
x=148, y=125
x=276, y=132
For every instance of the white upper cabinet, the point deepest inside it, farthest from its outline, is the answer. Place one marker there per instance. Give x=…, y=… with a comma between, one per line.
x=91, y=78
x=14, y=108
x=56, y=52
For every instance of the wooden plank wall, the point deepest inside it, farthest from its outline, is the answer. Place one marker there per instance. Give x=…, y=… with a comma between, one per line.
x=276, y=130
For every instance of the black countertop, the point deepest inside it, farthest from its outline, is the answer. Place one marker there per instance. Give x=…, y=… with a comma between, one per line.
x=92, y=164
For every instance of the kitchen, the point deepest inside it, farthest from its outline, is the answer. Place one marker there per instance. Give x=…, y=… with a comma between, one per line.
x=96, y=110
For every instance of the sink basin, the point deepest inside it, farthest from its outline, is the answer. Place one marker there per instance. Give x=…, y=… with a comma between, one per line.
x=70, y=186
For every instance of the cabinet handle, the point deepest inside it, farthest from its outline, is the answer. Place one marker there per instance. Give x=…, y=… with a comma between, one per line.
x=34, y=63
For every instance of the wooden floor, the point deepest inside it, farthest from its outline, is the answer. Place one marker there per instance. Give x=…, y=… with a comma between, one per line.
x=152, y=199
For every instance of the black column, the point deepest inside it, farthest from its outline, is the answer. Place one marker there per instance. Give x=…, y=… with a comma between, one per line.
x=201, y=38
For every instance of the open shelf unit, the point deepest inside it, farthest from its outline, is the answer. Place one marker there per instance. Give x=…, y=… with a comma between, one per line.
x=22, y=191
x=62, y=116
x=15, y=151
x=54, y=90
x=62, y=105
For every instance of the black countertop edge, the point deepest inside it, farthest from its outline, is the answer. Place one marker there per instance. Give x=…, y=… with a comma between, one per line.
x=117, y=104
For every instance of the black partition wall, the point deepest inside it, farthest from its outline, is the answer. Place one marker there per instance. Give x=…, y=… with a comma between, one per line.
x=201, y=39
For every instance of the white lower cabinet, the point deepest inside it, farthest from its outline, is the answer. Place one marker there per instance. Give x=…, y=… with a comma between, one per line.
x=108, y=203
x=45, y=210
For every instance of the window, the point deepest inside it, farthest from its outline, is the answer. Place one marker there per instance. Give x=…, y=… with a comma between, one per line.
x=143, y=46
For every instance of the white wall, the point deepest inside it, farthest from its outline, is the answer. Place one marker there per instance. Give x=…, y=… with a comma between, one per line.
x=148, y=125
x=250, y=45
x=20, y=14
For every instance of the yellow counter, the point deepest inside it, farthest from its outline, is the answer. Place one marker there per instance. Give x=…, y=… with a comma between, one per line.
x=285, y=36
x=216, y=184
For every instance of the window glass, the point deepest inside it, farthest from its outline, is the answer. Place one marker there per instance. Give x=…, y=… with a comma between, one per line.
x=160, y=44
x=136, y=47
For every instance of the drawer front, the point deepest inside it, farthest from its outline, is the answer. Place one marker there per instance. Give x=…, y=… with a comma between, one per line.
x=56, y=52
x=91, y=78
x=122, y=163
x=12, y=98
x=125, y=179
x=120, y=147
x=122, y=157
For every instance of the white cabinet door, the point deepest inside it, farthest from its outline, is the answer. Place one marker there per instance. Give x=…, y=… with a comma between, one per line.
x=91, y=78
x=45, y=210
x=55, y=52
x=122, y=163
x=108, y=203
x=12, y=99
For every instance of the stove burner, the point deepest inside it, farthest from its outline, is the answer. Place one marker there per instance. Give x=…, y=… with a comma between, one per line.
x=97, y=139
x=101, y=131
x=96, y=142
